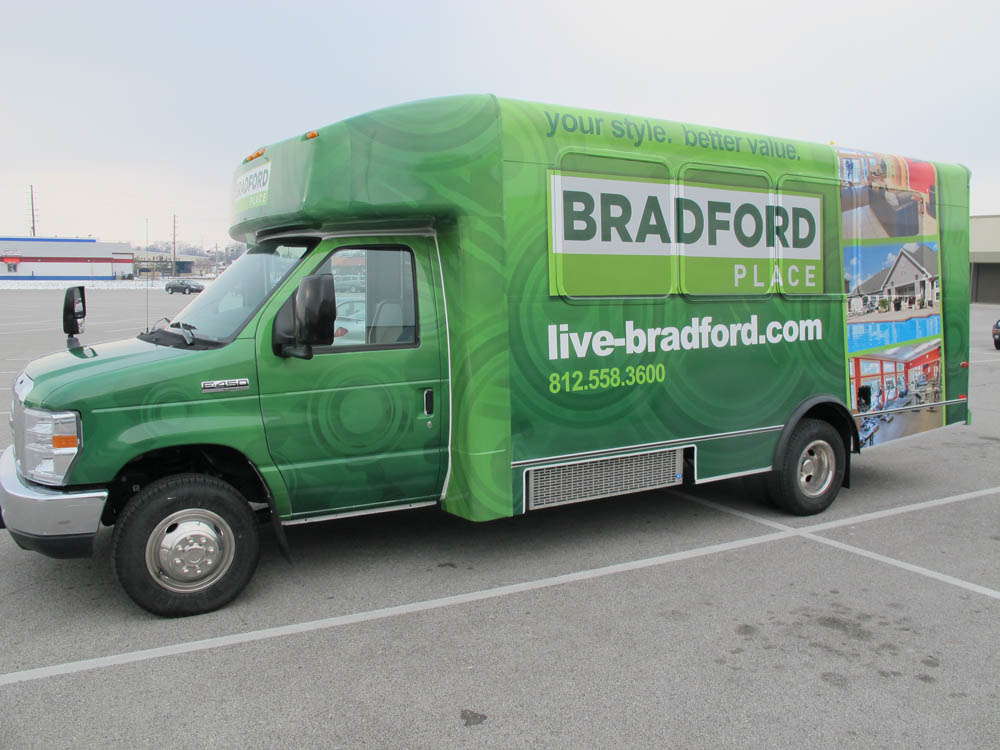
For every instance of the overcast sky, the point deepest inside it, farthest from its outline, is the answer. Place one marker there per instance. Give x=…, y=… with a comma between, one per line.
x=119, y=112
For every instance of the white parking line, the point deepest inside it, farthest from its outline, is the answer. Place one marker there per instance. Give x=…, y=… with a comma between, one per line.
x=806, y=533
x=875, y=515
x=130, y=657
x=782, y=532
x=968, y=586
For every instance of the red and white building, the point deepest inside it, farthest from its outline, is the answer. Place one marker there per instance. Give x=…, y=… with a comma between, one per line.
x=64, y=258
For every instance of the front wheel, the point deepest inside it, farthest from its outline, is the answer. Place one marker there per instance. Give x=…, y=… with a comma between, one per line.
x=807, y=476
x=187, y=291
x=996, y=343
x=185, y=545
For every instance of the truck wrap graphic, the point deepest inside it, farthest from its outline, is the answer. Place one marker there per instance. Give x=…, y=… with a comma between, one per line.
x=700, y=333
x=726, y=240
x=893, y=269
x=251, y=188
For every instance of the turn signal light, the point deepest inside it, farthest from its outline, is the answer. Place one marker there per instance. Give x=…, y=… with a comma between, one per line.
x=311, y=134
x=254, y=155
x=962, y=396
x=65, y=441
x=965, y=365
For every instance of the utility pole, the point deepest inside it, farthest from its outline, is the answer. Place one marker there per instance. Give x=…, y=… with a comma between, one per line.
x=175, y=246
x=34, y=216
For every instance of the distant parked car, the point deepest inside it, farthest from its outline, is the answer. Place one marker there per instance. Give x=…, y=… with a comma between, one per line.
x=183, y=286
x=996, y=334
x=349, y=284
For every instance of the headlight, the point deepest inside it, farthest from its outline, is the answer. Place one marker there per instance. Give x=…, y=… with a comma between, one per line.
x=47, y=445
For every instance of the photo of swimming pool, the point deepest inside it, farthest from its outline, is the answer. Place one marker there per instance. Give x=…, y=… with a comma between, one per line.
x=864, y=336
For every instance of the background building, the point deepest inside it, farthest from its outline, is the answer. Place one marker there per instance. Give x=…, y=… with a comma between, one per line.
x=984, y=255
x=69, y=258
x=162, y=264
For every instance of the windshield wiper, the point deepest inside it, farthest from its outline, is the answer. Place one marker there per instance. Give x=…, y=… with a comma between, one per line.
x=185, y=329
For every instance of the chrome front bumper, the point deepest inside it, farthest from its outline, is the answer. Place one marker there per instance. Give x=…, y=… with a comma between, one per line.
x=55, y=523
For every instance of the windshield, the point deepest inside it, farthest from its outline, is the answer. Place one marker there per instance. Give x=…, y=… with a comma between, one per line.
x=221, y=311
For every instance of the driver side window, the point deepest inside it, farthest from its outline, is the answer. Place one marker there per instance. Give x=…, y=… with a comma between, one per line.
x=376, y=298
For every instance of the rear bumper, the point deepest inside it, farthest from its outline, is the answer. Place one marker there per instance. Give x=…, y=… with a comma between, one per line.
x=46, y=520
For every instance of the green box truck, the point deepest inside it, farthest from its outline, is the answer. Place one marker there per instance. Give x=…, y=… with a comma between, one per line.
x=497, y=307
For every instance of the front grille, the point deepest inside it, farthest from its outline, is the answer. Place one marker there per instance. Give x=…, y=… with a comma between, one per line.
x=603, y=477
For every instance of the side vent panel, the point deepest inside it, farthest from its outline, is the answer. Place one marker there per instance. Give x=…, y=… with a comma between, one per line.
x=602, y=477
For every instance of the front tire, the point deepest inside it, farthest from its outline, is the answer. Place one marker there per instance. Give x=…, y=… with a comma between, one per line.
x=808, y=475
x=185, y=545
x=996, y=343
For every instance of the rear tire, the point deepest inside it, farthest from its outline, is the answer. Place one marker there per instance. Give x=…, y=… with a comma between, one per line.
x=996, y=343
x=807, y=476
x=185, y=545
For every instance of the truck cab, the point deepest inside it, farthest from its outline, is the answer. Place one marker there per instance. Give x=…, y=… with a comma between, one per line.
x=269, y=391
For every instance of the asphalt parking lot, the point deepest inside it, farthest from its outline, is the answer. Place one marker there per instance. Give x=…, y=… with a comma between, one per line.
x=701, y=618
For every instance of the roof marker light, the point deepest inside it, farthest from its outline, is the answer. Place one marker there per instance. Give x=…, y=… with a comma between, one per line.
x=254, y=155
x=311, y=134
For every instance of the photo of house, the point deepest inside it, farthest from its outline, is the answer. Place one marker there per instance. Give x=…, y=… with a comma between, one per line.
x=892, y=282
x=884, y=196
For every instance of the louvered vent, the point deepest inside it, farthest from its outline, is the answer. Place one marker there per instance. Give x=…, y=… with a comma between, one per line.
x=603, y=477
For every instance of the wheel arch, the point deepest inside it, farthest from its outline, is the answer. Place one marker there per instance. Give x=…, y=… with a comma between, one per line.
x=221, y=461
x=831, y=410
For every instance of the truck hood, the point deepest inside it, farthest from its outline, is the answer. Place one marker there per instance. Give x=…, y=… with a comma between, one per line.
x=131, y=372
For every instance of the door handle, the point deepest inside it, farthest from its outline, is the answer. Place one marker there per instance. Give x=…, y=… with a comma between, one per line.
x=428, y=401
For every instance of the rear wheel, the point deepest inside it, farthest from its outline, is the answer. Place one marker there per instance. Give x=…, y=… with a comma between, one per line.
x=996, y=343
x=808, y=475
x=187, y=291
x=185, y=545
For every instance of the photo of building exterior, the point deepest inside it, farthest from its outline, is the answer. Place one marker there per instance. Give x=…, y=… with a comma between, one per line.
x=908, y=282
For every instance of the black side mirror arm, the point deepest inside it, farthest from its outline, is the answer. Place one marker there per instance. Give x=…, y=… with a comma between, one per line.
x=298, y=351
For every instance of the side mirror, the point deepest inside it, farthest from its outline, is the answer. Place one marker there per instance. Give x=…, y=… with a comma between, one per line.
x=74, y=310
x=314, y=310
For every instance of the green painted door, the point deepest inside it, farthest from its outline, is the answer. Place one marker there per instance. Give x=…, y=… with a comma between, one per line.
x=364, y=423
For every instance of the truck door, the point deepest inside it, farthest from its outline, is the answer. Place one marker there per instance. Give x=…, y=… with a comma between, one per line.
x=364, y=423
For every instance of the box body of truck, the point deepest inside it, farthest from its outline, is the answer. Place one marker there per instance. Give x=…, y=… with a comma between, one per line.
x=698, y=306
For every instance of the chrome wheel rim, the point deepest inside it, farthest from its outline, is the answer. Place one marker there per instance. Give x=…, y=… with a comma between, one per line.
x=816, y=468
x=190, y=550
